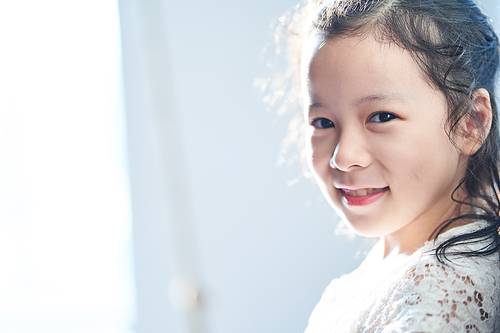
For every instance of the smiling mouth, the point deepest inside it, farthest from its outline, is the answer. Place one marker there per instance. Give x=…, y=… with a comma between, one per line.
x=363, y=196
x=362, y=192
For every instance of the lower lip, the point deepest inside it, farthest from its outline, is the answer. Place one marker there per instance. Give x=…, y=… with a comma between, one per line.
x=363, y=200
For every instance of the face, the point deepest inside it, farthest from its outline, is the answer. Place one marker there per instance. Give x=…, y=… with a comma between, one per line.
x=376, y=139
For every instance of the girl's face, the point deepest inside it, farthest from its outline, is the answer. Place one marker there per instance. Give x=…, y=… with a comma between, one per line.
x=376, y=141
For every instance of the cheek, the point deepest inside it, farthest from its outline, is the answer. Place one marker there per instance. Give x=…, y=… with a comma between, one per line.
x=319, y=154
x=423, y=163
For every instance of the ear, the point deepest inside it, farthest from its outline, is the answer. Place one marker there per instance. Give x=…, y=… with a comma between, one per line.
x=476, y=125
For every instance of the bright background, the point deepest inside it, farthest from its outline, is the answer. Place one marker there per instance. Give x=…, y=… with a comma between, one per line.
x=112, y=218
x=65, y=216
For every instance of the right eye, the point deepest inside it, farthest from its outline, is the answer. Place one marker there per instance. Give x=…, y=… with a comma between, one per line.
x=321, y=123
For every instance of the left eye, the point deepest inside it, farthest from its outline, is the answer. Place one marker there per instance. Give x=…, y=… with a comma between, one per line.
x=382, y=117
x=322, y=123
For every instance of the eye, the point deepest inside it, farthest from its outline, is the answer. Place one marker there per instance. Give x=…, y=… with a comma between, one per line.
x=322, y=123
x=382, y=117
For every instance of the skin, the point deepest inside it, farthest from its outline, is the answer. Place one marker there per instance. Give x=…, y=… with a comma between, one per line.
x=374, y=122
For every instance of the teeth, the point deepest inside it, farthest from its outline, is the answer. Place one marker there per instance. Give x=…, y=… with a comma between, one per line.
x=363, y=191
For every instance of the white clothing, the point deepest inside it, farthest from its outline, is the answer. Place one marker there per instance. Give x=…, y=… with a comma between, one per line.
x=414, y=293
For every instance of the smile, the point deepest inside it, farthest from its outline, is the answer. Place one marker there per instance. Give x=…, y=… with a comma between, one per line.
x=363, y=196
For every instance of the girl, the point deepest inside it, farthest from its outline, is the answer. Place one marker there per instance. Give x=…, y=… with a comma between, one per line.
x=402, y=139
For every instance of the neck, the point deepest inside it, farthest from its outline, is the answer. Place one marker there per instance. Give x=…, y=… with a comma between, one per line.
x=393, y=245
x=413, y=236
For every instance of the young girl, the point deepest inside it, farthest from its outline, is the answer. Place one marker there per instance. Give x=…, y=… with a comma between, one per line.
x=402, y=139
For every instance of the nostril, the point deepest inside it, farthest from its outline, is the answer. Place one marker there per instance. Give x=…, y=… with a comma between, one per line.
x=350, y=156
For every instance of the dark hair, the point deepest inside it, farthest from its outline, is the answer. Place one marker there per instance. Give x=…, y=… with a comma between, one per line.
x=456, y=48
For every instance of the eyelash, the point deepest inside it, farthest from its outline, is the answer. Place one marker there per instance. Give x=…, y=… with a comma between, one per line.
x=384, y=120
x=319, y=123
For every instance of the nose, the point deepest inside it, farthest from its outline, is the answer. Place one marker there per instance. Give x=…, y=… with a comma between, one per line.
x=350, y=153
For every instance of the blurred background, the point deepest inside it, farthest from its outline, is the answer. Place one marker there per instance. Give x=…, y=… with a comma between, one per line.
x=139, y=189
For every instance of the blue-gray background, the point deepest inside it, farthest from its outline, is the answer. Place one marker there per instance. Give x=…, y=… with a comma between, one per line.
x=262, y=251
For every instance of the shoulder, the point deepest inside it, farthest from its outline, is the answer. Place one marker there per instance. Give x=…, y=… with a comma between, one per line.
x=429, y=296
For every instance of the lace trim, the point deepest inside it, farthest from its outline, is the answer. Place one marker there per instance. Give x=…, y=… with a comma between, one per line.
x=436, y=298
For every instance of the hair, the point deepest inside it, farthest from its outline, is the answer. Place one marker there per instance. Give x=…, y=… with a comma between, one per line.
x=457, y=50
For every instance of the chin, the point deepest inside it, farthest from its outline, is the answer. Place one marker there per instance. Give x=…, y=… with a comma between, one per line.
x=365, y=227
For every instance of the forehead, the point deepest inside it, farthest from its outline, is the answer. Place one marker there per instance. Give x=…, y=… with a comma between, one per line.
x=355, y=67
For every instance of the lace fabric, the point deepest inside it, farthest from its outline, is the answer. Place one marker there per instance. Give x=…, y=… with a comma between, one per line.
x=414, y=294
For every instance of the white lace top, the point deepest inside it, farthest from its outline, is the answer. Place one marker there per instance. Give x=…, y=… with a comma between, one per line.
x=416, y=293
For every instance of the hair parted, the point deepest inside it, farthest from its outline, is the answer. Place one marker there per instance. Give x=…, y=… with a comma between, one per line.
x=457, y=50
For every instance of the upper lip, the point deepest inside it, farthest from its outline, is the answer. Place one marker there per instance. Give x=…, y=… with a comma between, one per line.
x=355, y=188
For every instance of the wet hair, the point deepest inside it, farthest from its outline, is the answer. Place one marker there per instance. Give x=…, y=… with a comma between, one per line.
x=457, y=50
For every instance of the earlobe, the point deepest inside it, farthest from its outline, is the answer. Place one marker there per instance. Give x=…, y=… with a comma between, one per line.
x=477, y=123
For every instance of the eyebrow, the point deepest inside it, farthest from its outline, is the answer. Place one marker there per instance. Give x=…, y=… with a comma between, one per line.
x=386, y=98
x=378, y=97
